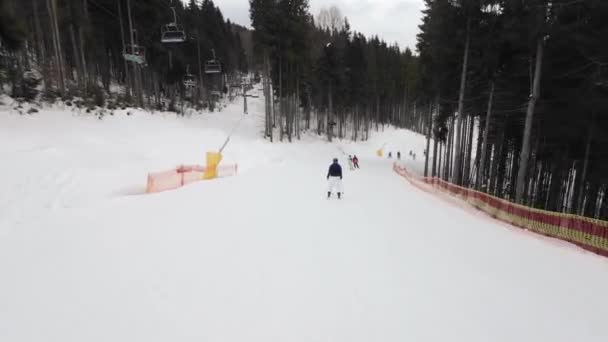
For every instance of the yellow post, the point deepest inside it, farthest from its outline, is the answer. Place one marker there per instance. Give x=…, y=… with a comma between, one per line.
x=379, y=153
x=213, y=160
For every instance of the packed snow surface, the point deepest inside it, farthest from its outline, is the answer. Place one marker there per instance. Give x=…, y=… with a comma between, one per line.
x=261, y=256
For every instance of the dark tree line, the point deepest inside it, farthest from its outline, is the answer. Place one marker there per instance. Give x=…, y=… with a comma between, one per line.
x=531, y=79
x=322, y=76
x=514, y=93
x=77, y=47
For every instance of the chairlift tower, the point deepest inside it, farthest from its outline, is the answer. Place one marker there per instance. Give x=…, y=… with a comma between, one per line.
x=246, y=84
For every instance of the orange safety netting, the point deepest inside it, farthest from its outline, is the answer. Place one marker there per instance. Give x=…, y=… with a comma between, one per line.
x=185, y=174
x=588, y=233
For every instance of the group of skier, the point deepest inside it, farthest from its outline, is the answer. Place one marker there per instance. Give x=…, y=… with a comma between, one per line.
x=334, y=175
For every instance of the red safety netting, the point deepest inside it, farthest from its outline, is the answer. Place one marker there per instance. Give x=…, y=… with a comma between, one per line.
x=585, y=232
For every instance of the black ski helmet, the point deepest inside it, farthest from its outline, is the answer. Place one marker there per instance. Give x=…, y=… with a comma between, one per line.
x=335, y=160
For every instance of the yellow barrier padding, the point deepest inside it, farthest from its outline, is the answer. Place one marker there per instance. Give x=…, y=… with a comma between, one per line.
x=213, y=160
x=379, y=153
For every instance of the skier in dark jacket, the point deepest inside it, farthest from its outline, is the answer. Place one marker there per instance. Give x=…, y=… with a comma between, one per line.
x=334, y=178
x=356, y=161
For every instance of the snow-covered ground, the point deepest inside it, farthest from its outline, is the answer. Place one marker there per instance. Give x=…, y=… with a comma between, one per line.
x=262, y=256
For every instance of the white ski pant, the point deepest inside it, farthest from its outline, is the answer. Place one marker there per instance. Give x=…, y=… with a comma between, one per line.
x=334, y=183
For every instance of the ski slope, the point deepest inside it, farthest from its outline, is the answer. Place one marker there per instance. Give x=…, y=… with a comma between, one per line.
x=262, y=256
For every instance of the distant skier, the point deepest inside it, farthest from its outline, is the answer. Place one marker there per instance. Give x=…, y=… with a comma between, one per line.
x=334, y=178
x=356, y=161
x=390, y=155
x=398, y=155
x=350, y=163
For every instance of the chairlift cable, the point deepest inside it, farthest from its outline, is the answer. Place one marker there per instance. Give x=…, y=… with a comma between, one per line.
x=104, y=9
x=230, y=134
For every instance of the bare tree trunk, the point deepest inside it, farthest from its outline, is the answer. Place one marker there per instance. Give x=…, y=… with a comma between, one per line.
x=367, y=123
x=356, y=123
x=530, y=179
x=464, y=145
x=281, y=106
x=513, y=163
x=501, y=162
x=200, y=68
x=496, y=160
x=463, y=82
x=122, y=39
x=555, y=186
x=42, y=60
x=296, y=100
x=567, y=190
x=60, y=61
x=83, y=59
x=489, y=180
x=434, y=172
x=446, y=169
x=579, y=201
x=137, y=74
x=439, y=165
x=428, y=140
x=533, y=193
x=289, y=113
x=330, y=113
x=450, y=150
x=308, y=107
x=377, y=112
x=525, y=149
x=340, y=123
x=77, y=59
x=268, y=96
x=590, y=202
x=56, y=46
x=39, y=45
x=484, y=147
x=468, y=158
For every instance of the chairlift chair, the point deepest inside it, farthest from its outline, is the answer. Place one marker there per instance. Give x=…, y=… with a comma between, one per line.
x=172, y=33
x=135, y=53
x=213, y=67
x=189, y=79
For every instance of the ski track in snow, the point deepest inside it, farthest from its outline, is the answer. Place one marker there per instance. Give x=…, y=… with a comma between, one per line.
x=262, y=256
